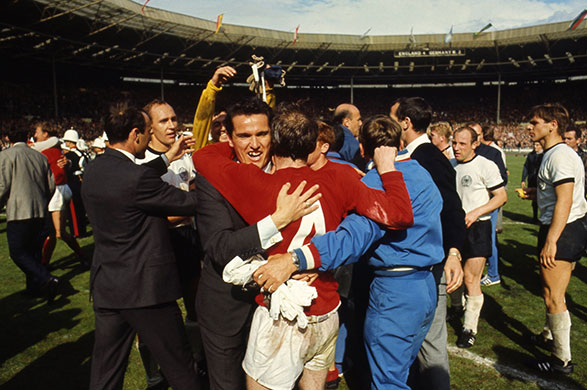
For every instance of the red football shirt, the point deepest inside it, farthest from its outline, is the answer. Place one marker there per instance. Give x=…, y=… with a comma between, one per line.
x=253, y=194
x=53, y=154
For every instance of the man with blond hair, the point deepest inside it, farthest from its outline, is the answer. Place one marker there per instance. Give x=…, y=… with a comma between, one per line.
x=440, y=134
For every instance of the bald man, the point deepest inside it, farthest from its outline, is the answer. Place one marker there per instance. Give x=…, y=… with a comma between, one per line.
x=348, y=117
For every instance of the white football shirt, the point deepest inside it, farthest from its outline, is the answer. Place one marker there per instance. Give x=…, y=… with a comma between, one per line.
x=560, y=164
x=475, y=179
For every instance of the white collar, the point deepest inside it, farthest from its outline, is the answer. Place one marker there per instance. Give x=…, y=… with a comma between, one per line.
x=127, y=154
x=423, y=139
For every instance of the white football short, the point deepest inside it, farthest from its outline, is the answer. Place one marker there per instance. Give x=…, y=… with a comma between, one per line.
x=278, y=350
x=60, y=199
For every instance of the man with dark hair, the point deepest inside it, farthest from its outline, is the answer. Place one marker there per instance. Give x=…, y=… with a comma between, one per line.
x=403, y=285
x=218, y=126
x=224, y=310
x=414, y=115
x=563, y=228
x=134, y=281
x=488, y=138
x=26, y=185
x=572, y=137
x=278, y=353
x=338, y=139
x=348, y=117
x=477, y=179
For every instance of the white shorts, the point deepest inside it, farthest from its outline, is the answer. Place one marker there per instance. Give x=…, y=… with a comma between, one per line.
x=60, y=199
x=278, y=351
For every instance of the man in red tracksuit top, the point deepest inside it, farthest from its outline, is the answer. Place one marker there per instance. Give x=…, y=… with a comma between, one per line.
x=277, y=352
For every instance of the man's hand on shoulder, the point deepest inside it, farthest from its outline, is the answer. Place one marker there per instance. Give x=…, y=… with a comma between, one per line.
x=291, y=207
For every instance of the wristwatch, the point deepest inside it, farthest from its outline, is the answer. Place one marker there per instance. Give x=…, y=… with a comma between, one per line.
x=457, y=254
x=295, y=259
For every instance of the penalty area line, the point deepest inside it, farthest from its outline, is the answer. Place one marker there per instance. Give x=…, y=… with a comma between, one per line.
x=506, y=370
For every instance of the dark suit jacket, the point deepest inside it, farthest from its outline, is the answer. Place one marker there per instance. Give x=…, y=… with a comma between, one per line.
x=222, y=308
x=494, y=155
x=452, y=215
x=127, y=205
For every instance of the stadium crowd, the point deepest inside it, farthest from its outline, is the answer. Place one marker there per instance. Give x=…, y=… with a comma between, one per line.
x=308, y=238
x=83, y=108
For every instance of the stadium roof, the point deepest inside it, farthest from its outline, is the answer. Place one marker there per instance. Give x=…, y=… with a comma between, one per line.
x=115, y=34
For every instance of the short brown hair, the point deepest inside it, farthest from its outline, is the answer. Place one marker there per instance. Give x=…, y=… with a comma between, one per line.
x=379, y=130
x=293, y=134
x=552, y=112
x=325, y=133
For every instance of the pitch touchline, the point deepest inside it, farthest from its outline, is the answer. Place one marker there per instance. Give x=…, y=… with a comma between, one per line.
x=506, y=370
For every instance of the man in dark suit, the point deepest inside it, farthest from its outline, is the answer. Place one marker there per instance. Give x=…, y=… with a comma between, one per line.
x=26, y=185
x=414, y=115
x=134, y=280
x=224, y=310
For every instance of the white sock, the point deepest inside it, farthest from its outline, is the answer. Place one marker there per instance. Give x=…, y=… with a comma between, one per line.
x=473, y=307
x=560, y=325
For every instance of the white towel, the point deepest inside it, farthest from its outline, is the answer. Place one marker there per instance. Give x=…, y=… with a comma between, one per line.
x=240, y=272
x=288, y=300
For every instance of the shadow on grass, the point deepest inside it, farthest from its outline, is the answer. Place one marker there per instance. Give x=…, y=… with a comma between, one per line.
x=511, y=328
x=27, y=321
x=518, y=217
x=67, y=366
x=523, y=266
x=576, y=309
x=518, y=360
x=580, y=272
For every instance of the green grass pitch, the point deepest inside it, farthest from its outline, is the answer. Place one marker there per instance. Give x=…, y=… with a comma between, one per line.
x=49, y=346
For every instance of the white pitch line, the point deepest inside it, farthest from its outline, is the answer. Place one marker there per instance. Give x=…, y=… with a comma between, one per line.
x=516, y=223
x=507, y=370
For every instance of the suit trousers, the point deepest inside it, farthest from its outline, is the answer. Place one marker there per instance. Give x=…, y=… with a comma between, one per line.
x=224, y=358
x=160, y=327
x=431, y=369
x=25, y=244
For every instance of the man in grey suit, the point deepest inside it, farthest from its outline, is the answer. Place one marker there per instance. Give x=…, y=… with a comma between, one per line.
x=26, y=185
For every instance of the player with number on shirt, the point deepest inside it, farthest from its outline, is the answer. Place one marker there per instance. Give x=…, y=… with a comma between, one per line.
x=277, y=355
